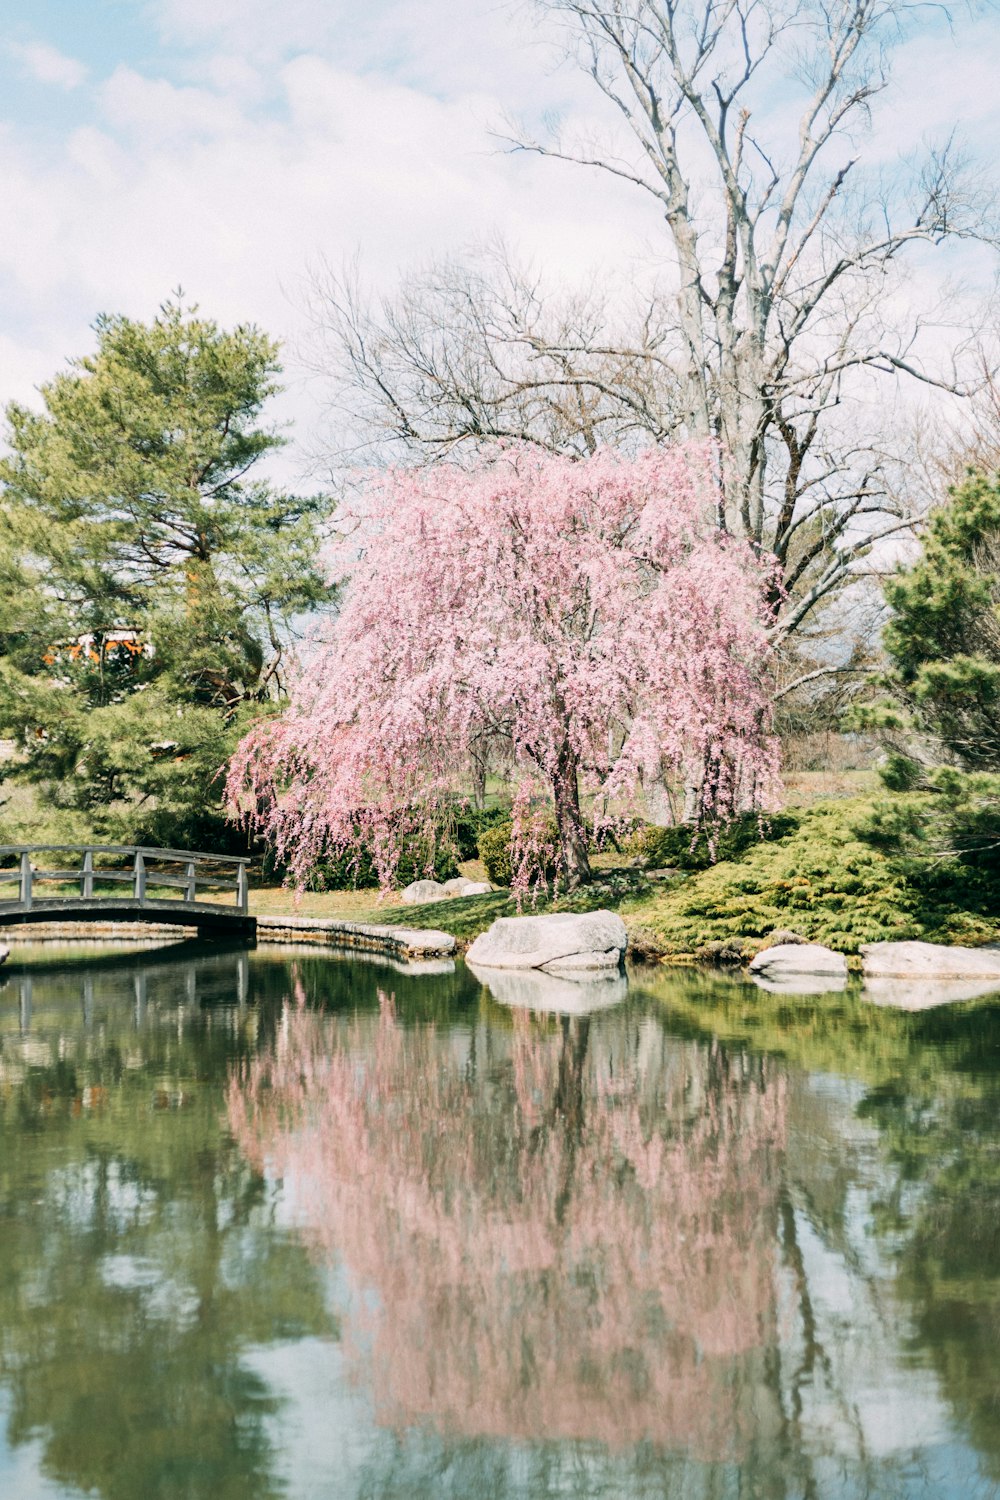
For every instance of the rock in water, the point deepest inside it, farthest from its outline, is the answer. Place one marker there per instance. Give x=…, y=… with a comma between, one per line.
x=798, y=958
x=557, y=941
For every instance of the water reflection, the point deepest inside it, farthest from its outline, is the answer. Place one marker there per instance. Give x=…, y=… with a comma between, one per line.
x=136, y=1266
x=710, y=1243
x=548, y=1233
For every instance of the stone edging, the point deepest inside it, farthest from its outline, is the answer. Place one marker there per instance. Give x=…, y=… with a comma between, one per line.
x=397, y=942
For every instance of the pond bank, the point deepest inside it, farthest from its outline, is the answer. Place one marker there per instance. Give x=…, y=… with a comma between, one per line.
x=372, y=937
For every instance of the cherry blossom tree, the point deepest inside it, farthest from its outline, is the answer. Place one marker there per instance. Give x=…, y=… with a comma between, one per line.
x=588, y=626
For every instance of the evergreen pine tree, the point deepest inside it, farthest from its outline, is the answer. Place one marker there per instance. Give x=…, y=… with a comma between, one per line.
x=148, y=577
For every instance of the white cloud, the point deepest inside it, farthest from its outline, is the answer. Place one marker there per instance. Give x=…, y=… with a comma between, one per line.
x=48, y=65
x=203, y=186
x=294, y=130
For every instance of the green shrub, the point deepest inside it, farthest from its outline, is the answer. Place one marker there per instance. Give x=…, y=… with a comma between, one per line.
x=495, y=850
x=354, y=870
x=683, y=847
x=470, y=822
x=826, y=881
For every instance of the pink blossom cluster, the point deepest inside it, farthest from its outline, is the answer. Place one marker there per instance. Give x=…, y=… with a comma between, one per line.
x=574, y=624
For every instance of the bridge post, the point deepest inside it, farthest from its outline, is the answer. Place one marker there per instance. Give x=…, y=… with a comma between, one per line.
x=139, y=986
x=140, y=878
x=26, y=880
x=87, y=875
x=191, y=889
x=242, y=889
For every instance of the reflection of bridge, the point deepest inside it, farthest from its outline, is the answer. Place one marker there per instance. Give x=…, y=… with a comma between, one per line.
x=164, y=886
x=186, y=975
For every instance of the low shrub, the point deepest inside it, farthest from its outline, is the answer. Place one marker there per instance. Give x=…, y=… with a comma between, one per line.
x=494, y=846
x=684, y=847
x=829, y=883
x=469, y=823
x=354, y=870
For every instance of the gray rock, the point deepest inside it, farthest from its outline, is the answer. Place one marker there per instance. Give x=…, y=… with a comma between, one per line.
x=422, y=891
x=434, y=890
x=594, y=940
x=459, y=886
x=4, y=953
x=540, y=990
x=786, y=959
x=929, y=961
x=583, y=963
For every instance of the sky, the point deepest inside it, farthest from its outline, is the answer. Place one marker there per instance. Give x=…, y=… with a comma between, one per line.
x=229, y=146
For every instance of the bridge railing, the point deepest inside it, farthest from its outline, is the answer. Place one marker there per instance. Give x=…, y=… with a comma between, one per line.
x=133, y=865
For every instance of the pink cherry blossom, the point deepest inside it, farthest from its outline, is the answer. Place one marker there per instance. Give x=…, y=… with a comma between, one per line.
x=582, y=627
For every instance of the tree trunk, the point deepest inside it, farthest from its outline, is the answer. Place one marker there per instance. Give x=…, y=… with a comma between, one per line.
x=478, y=782
x=569, y=822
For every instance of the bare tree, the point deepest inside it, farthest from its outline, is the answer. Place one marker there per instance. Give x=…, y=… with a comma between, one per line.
x=475, y=350
x=775, y=329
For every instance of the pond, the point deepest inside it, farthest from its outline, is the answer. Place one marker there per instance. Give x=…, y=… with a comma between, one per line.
x=290, y=1224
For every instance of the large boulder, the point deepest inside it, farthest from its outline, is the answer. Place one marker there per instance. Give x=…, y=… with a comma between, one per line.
x=423, y=891
x=459, y=886
x=557, y=942
x=786, y=960
x=420, y=892
x=929, y=961
x=555, y=994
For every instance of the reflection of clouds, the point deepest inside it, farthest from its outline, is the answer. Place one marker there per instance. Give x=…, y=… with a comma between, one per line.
x=531, y=989
x=164, y=1298
x=82, y=1194
x=865, y=1395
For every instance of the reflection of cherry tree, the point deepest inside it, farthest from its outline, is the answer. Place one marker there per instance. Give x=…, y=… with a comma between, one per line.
x=555, y=1243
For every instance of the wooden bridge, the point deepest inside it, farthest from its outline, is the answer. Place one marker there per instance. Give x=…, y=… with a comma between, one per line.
x=164, y=886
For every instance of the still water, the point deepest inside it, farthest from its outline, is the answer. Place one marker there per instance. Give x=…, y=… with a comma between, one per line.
x=285, y=1224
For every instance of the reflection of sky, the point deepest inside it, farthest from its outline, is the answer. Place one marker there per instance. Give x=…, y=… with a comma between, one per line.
x=20, y=1468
